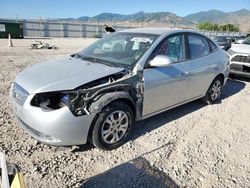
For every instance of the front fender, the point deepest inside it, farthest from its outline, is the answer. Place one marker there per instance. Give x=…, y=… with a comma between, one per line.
x=107, y=98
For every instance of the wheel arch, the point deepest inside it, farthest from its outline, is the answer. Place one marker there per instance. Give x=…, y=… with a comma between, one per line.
x=206, y=99
x=105, y=100
x=221, y=76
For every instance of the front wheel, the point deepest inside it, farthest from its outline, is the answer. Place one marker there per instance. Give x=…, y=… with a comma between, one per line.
x=214, y=92
x=112, y=126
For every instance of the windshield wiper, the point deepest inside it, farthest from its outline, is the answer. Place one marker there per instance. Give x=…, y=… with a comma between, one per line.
x=91, y=59
x=96, y=60
x=108, y=63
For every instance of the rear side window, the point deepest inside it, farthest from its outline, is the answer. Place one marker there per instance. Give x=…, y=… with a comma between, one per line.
x=198, y=46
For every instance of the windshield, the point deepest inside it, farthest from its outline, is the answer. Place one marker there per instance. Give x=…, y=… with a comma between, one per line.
x=118, y=49
x=247, y=41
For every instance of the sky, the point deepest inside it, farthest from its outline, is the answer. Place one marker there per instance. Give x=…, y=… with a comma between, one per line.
x=35, y=9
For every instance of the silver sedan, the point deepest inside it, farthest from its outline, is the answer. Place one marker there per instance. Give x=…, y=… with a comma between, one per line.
x=97, y=94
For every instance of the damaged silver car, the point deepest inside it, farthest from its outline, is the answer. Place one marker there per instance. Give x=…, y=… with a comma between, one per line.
x=96, y=95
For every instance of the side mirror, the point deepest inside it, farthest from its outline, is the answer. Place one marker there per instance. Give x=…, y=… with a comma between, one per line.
x=160, y=61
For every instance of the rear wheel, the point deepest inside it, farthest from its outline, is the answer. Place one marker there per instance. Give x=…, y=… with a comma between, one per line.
x=214, y=92
x=112, y=126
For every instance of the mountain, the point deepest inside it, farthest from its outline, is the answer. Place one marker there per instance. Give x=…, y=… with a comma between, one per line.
x=102, y=17
x=206, y=16
x=240, y=17
x=159, y=17
x=168, y=19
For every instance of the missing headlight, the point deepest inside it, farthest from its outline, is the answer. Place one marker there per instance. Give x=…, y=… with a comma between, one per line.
x=50, y=101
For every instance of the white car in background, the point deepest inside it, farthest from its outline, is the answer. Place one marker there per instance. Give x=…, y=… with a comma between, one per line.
x=240, y=39
x=240, y=58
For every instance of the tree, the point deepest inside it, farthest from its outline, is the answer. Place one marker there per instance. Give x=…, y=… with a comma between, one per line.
x=217, y=27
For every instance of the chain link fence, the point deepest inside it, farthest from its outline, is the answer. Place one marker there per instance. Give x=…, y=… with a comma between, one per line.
x=48, y=28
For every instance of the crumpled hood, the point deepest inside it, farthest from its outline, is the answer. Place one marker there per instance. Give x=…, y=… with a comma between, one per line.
x=241, y=48
x=63, y=74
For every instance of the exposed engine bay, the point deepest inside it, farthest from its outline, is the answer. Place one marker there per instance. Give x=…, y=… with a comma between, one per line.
x=86, y=98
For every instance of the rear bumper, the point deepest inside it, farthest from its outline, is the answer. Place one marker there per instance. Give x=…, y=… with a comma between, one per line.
x=57, y=127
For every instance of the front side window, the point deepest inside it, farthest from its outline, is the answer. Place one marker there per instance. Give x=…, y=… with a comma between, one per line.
x=171, y=47
x=198, y=46
x=119, y=49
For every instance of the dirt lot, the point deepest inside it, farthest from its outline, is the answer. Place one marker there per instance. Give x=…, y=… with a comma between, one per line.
x=191, y=146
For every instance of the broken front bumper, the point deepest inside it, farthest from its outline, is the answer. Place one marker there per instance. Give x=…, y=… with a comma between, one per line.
x=55, y=127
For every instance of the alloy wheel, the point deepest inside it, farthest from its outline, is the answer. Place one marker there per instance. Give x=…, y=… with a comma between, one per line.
x=216, y=90
x=115, y=127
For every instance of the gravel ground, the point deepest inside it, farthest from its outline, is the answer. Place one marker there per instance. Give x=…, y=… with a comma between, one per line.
x=190, y=146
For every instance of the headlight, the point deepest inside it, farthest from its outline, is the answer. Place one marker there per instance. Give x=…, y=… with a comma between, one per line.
x=19, y=94
x=231, y=52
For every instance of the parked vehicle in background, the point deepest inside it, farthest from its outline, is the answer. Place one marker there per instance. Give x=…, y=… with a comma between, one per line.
x=240, y=58
x=240, y=39
x=14, y=29
x=96, y=95
x=224, y=42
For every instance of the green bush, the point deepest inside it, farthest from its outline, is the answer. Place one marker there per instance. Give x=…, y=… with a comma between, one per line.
x=217, y=27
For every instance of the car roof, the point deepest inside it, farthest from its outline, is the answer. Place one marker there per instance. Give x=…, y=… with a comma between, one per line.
x=157, y=30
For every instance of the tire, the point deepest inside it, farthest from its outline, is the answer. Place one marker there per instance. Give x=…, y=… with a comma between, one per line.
x=214, y=91
x=110, y=132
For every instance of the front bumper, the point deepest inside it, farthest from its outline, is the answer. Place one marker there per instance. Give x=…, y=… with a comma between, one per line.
x=56, y=127
x=240, y=65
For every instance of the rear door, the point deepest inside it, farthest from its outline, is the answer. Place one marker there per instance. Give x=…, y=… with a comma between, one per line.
x=203, y=64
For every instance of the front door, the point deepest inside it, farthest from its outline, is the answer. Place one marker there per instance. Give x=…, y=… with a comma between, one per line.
x=166, y=86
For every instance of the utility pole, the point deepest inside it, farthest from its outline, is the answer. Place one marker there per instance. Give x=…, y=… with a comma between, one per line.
x=142, y=18
x=40, y=27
